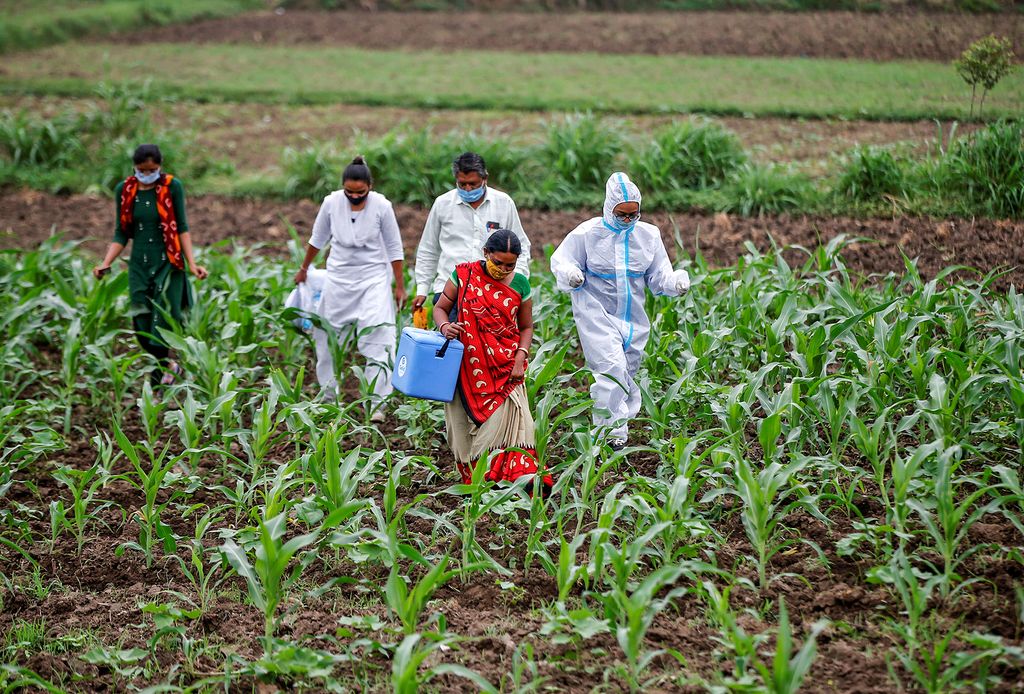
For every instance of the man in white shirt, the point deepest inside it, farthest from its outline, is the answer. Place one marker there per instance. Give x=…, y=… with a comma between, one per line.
x=458, y=225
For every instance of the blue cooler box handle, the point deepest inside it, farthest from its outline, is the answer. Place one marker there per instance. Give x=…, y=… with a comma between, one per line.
x=444, y=348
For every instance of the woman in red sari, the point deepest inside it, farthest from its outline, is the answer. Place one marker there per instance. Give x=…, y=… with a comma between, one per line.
x=491, y=412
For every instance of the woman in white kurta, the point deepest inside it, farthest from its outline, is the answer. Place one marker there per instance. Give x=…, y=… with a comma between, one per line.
x=365, y=254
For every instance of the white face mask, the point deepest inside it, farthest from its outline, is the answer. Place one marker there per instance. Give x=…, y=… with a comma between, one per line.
x=147, y=179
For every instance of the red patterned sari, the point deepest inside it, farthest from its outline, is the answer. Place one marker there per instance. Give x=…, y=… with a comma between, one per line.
x=499, y=421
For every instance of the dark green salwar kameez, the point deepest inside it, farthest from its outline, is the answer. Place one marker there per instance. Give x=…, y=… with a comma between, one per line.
x=153, y=283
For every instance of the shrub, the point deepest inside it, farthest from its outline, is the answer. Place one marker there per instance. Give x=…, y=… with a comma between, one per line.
x=691, y=154
x=580, y=152
x=27, y=141
x=985, y=62
x=871, y=173
x=758, y=189
x=987, y=169
x=312, y=171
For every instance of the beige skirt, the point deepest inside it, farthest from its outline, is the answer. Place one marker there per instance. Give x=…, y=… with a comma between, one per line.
x=510, y=426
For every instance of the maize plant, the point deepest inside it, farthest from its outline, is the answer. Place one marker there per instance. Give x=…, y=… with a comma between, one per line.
x=800, y=425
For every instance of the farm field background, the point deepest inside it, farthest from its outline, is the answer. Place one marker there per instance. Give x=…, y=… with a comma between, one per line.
x=824, y=491
x=541, y=81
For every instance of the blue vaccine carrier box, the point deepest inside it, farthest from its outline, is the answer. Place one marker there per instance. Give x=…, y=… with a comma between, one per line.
x=424, y=368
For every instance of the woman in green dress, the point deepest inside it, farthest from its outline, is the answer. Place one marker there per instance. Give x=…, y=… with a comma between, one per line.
x=150, y=208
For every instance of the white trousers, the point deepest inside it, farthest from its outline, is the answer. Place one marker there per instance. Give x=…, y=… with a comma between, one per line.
x=621, y=399
x=378, y=347
x=370, y=310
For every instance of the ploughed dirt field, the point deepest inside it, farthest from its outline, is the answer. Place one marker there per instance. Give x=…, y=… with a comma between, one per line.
x=811, y=34
x=29, y=217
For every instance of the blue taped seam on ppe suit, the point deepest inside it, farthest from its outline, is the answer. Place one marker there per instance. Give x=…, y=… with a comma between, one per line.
x=613, y=327
x=611, y=275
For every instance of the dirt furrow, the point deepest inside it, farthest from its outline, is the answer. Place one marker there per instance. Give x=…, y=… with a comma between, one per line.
x=28, y=217
x=910, y=36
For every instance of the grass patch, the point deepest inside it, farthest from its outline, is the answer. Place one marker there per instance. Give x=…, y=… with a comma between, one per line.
x=90, y=149
x=688, y=164
x=512, y=81
x=565, y=171
x=30, y=25
x=685, y=164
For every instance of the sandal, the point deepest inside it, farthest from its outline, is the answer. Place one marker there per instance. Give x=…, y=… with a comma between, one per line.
x=173, y=371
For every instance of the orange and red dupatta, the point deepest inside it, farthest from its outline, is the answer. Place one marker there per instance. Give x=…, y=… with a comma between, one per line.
x=164, y=207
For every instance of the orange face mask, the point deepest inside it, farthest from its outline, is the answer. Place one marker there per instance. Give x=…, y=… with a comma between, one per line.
x=498, y=273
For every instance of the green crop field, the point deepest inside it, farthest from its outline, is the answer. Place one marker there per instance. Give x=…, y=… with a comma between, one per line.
x=805, y=438
x=550, y=81
x=781, y=405
x=822, y=492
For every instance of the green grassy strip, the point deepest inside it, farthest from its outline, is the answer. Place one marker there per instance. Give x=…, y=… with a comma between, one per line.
x=688, y=163
x=513, y=81
x=55, y=22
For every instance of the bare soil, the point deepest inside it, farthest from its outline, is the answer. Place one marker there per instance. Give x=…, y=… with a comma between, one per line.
x=910, y=36
x=29, y=217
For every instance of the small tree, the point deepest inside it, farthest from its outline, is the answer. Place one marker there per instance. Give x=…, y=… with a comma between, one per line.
x=985, y=62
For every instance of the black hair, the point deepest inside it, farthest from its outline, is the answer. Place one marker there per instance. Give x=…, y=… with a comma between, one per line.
x=358, y=171
x=144, y=153
x=469, y=162
x=503, y=241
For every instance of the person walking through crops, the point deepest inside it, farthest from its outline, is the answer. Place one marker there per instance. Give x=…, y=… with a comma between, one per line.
x=365, y=254
x=150, y=213
x=605, y=263
x=493, y=317
x=458, y=224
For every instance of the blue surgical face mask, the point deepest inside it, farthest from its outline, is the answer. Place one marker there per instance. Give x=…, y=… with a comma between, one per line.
x=626, y=222
x=147, y=179
x=622, y=226
x=471, y=195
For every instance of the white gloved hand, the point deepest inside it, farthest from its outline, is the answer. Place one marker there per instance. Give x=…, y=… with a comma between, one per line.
x=574, y=276
x=682, y=281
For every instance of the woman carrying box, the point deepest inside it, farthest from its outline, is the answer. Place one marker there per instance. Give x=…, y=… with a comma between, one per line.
x=490, y=412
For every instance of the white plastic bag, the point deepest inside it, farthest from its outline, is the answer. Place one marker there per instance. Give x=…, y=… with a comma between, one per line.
x=306, y=298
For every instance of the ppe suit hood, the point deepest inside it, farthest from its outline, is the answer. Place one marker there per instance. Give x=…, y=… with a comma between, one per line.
x=618, y=189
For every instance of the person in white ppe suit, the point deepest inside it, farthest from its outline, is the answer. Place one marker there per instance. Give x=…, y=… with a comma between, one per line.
x=365, y=254
x=606, y=262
